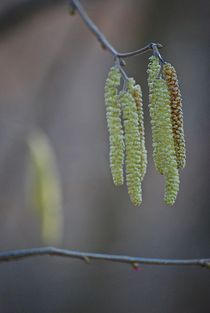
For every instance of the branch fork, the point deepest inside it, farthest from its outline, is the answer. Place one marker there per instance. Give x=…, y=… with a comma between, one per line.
x=75, y=6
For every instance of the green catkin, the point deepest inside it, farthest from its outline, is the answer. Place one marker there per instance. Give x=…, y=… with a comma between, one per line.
x=163, y=144
x=153, y=74
x=113, y=115
x=132, y=147
x=176, y=113
x=135, y=90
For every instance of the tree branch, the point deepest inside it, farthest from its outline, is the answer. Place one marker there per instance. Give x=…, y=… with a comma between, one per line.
x=15, y=255
x=75, y=5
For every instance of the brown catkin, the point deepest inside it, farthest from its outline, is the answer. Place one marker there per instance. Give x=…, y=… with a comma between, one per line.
x=170, y=76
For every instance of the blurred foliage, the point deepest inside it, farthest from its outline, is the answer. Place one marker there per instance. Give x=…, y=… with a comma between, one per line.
x=45, y=186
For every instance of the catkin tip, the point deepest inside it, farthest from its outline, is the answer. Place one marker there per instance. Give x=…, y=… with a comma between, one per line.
x=171, y=186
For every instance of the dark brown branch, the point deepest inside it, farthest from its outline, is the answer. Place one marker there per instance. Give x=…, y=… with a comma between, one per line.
x=76, y=6
x=15, y=255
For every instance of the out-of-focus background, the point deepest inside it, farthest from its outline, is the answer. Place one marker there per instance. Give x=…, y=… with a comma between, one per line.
x=52, y=74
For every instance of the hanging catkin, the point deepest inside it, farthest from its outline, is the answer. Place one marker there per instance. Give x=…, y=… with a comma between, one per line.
x=153, y=73
x=132, y=147
x=113, y=114
x=162, y=135
x=176, y=114
x=164, y=156
x=135, y=90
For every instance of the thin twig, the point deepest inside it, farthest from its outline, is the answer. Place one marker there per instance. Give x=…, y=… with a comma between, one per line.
x=119, y=65
x=93, y=28
x=156, y=52
x=148, y=47
x=76, y=6
x=15, y=255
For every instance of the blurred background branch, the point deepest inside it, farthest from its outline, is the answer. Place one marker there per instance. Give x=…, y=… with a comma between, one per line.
x=12, y=13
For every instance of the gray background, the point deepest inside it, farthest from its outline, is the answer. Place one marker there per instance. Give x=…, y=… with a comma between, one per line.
x=52, y=74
